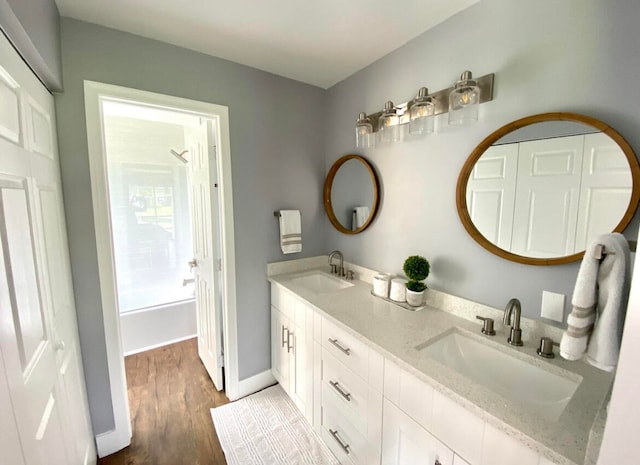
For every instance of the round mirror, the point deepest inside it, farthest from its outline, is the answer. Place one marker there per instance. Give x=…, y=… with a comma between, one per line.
x=540, y=189
x=351, y=194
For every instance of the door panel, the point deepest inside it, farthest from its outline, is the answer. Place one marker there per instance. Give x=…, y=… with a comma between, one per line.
x=546, y=205
x=9, y=108
x=30, y=363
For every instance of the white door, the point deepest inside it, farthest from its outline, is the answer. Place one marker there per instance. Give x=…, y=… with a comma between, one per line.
x=605, y=189
x=491, y=192
x=546, y=205
x=38, y=335
x=205, y=264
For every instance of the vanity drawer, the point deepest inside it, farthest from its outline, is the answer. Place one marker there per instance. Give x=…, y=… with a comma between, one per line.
x=358, y=402
x=344, y=439
x=353, y=353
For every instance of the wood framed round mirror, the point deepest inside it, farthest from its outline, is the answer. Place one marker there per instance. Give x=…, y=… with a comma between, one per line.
x=539, y=189
x=351, y=194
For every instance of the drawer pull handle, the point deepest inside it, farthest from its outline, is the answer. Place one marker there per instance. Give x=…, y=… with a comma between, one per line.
x=289, y=345
x=345, y=447
x=336, y=386
x=284, y=338
x=339, y=346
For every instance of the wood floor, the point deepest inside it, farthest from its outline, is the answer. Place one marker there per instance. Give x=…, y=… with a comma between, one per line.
x=170, y=395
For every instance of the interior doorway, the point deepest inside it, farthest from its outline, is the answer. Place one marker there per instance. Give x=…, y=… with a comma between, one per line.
x=161, y=187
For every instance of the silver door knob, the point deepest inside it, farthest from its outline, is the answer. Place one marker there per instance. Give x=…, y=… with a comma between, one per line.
x=193, y=263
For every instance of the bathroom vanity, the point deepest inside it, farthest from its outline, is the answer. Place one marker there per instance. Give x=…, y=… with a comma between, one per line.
x=382, y=384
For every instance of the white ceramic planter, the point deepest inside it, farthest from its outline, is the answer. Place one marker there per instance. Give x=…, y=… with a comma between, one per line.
x=415, y=299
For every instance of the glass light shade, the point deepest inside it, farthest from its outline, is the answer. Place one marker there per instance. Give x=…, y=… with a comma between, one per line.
x=364, y=132
x=464, y=101
x=389, y=124
x=421, y=113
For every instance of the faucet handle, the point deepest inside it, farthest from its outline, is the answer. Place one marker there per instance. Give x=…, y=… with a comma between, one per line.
x=349, y=275
x=546, y=347
x=487, y=328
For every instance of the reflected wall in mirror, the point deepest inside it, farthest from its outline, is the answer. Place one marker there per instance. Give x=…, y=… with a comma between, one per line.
x=351, y=194
x=540, y=189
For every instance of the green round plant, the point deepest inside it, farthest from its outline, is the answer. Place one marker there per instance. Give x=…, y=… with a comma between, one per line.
x=417, y=269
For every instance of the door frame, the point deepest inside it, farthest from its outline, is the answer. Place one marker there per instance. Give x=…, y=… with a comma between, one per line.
x=118, y=438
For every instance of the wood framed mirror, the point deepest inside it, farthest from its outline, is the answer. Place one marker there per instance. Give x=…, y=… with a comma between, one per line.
x=539, y=189
x=351, y=194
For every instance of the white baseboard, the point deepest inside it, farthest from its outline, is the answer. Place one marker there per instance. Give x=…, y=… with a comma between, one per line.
x=165, y=343
x=252, y=384
x=110, y=442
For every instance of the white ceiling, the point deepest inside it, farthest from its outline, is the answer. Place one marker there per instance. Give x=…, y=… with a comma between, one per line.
x=319, y=43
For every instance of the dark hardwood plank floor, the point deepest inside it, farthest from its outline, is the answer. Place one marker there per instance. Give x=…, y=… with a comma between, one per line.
x=170, y=394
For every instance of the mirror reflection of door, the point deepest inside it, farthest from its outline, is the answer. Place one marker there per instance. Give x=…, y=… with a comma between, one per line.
x=549, y=197
x=545, y=190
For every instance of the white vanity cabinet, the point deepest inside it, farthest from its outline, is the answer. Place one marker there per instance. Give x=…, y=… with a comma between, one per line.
x=292, y=347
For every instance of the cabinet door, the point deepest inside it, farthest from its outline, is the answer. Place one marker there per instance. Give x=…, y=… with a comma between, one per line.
x=301, y=387
x=405, y=442
x=280, y=338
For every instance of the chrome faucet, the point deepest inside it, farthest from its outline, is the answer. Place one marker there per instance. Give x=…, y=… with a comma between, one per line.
x=334, y=268
x=515, y=335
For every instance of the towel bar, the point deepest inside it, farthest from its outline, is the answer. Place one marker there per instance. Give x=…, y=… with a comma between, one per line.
x=600, y=251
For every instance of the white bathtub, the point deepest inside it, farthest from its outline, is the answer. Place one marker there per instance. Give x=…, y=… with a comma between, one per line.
x=153, y=327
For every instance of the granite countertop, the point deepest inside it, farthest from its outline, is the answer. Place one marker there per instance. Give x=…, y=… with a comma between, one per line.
x=396, y=332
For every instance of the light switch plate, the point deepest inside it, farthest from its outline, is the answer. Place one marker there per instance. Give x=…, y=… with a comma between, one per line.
x=552, y=306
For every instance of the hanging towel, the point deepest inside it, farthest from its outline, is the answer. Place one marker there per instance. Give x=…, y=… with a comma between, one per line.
x=359, y=217
x=599, y=300
x=290, y=231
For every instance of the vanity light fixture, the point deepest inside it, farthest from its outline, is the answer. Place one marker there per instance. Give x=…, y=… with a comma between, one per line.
x=389, y=123
x=365, y=138
x=464, y=100
x=460, y=101
x=421, y=113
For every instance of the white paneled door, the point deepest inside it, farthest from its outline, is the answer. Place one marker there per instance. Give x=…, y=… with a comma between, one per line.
x=44, y=418
x=205, y=264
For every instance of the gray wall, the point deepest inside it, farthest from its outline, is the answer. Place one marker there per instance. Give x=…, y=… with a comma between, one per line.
x=572, y=55
x=277, y=151
x=33, y=26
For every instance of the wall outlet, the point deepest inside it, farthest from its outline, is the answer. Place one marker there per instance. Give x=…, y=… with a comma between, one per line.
x=552, y=306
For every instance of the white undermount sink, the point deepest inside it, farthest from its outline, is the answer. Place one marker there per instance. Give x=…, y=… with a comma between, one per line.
x=514, y=379
x=319, y=282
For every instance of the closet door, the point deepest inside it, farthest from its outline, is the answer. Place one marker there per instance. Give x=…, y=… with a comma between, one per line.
x=546, y=205
x=605, y=189
x=38, y=334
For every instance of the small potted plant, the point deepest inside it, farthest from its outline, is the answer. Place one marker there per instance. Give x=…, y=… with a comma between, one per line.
x=417, y=269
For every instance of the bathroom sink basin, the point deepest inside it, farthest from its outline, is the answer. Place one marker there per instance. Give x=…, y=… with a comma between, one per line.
x=514, y=379
x=319, y=282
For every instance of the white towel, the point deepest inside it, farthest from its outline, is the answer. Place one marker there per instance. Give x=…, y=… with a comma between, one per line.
x=599, y=304
x=359, y=217
x=290, y=231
